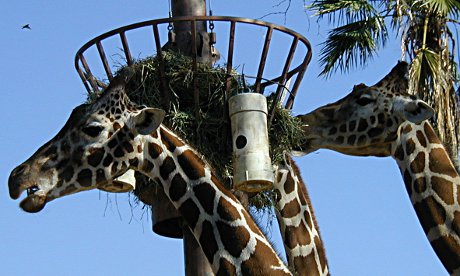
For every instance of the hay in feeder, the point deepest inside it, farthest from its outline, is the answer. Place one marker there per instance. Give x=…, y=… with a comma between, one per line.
x=209, y=129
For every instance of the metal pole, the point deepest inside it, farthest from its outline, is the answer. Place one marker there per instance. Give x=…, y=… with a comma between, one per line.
x=195, y=261
x=183, y=31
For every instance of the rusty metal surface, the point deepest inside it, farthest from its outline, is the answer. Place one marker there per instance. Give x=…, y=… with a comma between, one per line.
x=88, y=75
x=165, y=99
x=283, y=77
x=263, y=58
x=196, y=93
x=231, y=44
x=91, y=84
x=298, y=80
x=124, y=42
x=100, y=49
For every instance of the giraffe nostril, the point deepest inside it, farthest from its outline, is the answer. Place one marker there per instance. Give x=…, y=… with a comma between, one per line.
x=23, y=168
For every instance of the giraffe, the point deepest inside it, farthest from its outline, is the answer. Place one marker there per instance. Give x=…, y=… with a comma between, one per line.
x=299, y=229
x=103, y=140
x=297, y=223
x=384, y=120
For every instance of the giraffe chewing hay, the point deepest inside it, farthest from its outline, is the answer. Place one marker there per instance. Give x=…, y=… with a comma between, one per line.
x=384, y=120
x=103, y=140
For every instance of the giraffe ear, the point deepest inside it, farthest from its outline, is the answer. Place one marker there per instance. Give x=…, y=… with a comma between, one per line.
x=418, y=111
x=148, y=120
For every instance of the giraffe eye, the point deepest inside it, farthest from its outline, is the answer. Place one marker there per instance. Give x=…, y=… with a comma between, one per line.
x=365, y=101
x=92, y=130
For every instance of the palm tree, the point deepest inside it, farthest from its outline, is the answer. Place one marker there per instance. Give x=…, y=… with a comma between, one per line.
x=427, y=42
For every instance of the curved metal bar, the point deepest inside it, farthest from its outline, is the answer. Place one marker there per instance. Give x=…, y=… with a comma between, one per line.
x=231, y=44
x=124, y=42
x=100, y=49
x=263, y=59
x=87, y=76
x=193, y=18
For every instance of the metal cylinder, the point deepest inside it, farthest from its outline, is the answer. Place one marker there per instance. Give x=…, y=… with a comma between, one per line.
x=171, y=37
x=212, y=38
x=252, y=168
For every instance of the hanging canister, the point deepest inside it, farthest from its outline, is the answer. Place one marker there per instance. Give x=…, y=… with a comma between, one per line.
x=171, y=37
x=252, y=168
x=212, y=38
x=171, y=33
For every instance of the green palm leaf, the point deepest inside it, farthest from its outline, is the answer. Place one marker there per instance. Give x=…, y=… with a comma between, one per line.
x=344, y=11
x=351, y=45
x=425, y=67
x=441, y=7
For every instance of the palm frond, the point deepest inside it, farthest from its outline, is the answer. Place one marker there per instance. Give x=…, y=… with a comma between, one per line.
x=441, y=7
x=434, y=62
x=345, y=11
x=351, y=45
x=401, y=12
x=428, y=72
x=426, y=67
x=416, y=70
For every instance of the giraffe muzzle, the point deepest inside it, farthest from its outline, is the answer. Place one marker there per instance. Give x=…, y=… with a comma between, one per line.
x=33, y=203
x=18, y=182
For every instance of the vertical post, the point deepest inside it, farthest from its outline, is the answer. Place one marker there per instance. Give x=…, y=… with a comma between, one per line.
x=183, y=31
x=194, y=260
x=194, y=43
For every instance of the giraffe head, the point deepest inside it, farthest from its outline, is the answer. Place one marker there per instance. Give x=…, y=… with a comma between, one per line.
x=98, y=143
x=366, y=121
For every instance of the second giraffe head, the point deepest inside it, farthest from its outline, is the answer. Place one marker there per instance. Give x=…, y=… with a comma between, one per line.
x=366, y=121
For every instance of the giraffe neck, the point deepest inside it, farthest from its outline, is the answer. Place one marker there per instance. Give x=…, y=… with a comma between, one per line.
x=433, y=185
x=230, y=239
x=300, y=232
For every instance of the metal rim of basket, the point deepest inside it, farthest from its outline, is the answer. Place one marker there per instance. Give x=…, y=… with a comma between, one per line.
x=92, y=84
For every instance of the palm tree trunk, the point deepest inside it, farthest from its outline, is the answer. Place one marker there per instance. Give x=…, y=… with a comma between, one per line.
x=438, y=89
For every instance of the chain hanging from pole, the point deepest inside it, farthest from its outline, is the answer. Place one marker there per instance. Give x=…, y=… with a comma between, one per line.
x=212, y=34
x=171, y=33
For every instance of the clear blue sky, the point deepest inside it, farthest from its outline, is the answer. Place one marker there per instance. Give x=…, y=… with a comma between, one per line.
x=367, y=222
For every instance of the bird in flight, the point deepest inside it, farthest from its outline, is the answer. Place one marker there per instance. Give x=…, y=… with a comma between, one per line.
x=27, y=26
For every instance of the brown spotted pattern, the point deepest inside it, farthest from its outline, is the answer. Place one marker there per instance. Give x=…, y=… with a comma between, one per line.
x=400, y=131
x=103, y=140
x=433, y=185
x=299, y=229
x=227, y=234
